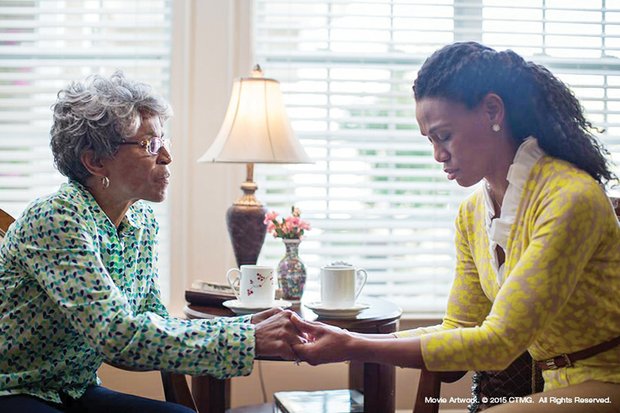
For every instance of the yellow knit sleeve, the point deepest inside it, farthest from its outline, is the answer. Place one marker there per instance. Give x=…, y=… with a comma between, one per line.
x=467, y=303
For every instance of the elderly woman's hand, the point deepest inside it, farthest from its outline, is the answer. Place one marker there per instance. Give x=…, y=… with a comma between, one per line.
x=276, y=335
x=263, y=315
x=324, y=343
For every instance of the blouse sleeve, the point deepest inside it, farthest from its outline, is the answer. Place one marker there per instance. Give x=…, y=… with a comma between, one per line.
x=153, y=300
x=563, y=236
x=467, y=303
x=68, y=267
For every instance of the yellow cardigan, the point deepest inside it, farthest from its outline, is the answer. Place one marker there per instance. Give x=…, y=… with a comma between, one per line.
x=562, y=289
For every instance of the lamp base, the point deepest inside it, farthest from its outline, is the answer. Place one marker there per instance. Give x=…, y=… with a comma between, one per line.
x=247, y=231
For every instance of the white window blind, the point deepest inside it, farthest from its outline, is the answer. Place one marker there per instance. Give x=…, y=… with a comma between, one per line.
x=45, y=44
x=375, y=196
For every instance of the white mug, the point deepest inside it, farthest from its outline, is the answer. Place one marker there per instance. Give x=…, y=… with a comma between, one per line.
x=253, y=285
x=341, y=285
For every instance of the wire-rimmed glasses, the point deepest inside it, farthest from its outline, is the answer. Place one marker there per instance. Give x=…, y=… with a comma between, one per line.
x=152, y=144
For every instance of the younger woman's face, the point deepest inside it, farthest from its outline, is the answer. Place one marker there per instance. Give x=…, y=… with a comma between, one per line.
x=462, y=138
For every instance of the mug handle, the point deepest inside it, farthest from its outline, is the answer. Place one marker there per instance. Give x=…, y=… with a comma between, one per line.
x=234, y=283
x=360, y=277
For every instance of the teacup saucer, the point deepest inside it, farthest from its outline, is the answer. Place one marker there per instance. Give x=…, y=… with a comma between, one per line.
x=330, y=312
x=239, y=308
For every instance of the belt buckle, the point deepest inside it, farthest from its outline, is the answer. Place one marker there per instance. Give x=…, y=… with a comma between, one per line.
x=567, y=359
x=552, y=365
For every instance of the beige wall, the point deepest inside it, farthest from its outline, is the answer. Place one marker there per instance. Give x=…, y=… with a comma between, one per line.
x=210, y=49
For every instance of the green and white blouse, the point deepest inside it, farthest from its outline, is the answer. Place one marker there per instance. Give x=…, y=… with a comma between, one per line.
x=76, y=291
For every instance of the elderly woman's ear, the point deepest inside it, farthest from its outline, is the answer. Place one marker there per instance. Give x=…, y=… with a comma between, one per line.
x=93, y=164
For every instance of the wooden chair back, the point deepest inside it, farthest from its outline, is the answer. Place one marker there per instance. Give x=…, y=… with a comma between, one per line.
x=5, y=221
x=615, y=202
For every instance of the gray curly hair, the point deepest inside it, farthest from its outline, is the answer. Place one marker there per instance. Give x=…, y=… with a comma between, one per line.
x=96, y=114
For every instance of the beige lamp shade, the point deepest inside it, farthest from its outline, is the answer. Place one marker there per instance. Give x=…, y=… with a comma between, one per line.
x=256, y=128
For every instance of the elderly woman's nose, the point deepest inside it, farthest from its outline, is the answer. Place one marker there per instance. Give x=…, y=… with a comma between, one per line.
x=163, y=156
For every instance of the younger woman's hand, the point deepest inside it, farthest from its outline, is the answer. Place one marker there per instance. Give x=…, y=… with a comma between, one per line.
x=324, y=343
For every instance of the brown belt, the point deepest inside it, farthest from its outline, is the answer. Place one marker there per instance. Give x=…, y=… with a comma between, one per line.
x=567, y=360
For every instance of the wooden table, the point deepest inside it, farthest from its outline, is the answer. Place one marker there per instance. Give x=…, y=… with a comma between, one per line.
x=375, y=381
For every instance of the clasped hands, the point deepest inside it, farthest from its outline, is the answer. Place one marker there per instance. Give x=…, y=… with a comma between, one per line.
x=282, y=333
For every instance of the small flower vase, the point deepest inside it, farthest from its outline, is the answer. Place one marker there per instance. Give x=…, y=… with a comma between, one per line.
x=291, y=271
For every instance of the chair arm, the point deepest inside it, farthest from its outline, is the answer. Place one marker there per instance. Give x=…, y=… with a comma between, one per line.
x=429, y=388
x=175, y=386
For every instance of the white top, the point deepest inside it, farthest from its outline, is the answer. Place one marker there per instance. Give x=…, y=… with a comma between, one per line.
x=498, y=229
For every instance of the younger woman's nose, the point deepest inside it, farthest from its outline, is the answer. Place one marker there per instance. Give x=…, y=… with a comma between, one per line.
x=440, y=154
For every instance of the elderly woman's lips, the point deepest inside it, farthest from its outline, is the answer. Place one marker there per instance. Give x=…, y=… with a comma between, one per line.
x=164, y=178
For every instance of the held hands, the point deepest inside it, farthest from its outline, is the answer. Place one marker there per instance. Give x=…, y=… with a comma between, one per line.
x=323, y=343
x=275, y=334
x=283, y=334
x=286, y=335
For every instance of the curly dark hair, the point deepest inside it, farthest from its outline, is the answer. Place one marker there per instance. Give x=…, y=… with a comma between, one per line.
x=537, y=103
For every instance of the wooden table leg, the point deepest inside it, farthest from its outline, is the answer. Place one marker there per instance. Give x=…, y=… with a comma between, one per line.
x=211, y=395
x=377, y=382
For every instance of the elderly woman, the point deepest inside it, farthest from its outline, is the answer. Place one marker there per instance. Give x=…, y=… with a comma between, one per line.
x=537, y=245
x=78, y=270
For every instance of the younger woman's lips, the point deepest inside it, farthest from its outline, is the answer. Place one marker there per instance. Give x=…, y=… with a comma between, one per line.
x=451, y=173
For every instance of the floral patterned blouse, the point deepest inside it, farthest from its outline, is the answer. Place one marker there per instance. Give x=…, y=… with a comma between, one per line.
x=76, y=291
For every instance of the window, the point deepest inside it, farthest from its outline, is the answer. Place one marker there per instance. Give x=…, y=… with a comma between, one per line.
x=45, y=44
x=375, y=196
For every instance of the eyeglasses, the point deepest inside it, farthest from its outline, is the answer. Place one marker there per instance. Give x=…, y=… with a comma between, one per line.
x=152, y=145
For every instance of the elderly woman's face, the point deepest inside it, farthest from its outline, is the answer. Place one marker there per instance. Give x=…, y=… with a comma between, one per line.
x=462, y=139
x=136, y=174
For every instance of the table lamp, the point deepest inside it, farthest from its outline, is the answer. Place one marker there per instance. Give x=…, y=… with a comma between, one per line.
x=256, y=129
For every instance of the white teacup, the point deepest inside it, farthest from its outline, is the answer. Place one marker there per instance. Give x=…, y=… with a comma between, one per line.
x=341, y=285
x=253, y=285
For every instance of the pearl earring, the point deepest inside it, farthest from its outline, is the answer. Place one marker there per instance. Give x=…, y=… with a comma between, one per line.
x=496, y=127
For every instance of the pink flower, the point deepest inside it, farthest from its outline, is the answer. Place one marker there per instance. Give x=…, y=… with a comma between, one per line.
x=291, y=227
x=292, y=221
x=270, y=216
